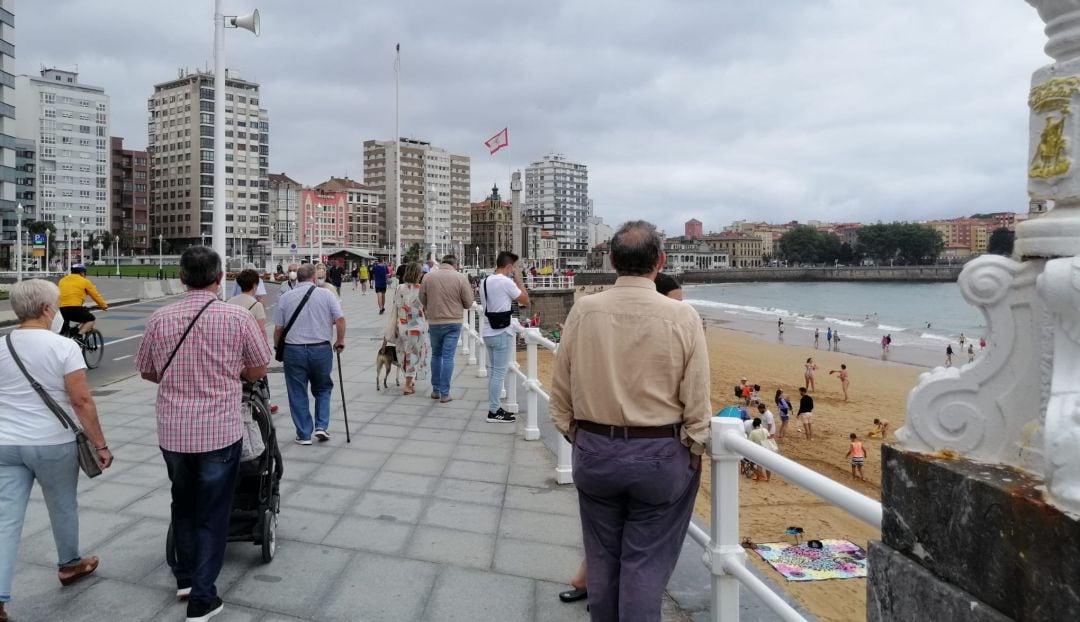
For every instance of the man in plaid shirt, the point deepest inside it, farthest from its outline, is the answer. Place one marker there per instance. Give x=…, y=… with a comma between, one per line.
x=198, y=417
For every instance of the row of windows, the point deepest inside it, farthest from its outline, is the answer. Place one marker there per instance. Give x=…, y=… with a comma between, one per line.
x=51, y=98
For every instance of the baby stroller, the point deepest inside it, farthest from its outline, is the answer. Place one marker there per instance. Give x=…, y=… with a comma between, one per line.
x=257, y=496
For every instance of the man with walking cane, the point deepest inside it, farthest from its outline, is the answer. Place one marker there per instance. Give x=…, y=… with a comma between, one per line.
x=305, y=320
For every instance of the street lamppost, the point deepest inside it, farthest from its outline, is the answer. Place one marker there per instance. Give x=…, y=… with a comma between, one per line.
x=477, y=259
x=251, y=23
x=160, y=243
x=45, y=266
x=82, y=238
x=18, y=240
x=67, y=242
x=116, y=252
x=311, y=239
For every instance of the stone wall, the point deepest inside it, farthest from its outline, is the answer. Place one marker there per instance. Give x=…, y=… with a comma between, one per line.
x=552, y=305
x=917, y=274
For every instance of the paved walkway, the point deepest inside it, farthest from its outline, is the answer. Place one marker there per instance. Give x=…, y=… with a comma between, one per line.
x=431, y=513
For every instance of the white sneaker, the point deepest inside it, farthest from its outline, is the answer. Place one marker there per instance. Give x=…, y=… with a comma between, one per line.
x=322, y=435
x=302, y=441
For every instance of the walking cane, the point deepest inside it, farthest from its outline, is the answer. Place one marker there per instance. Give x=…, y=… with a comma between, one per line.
x=341, y=383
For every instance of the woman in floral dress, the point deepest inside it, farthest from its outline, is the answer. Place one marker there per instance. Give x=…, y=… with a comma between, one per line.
x=411, y=327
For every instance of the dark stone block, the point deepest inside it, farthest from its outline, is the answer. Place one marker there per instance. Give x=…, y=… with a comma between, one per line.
x=986, y=529
x=900, y=589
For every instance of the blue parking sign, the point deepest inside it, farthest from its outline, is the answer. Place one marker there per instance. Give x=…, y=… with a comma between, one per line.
x=39, y=239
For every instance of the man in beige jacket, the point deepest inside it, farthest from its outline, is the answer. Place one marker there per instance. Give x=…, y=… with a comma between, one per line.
x=445, y=293
x=631, y=392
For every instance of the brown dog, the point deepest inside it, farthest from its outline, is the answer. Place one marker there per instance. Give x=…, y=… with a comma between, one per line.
x=387, y=357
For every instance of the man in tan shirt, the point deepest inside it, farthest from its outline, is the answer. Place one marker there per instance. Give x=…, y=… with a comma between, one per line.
x=445, y=293
x=631, y=392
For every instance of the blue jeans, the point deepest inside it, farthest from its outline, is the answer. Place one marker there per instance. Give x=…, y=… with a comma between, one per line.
x=444, y=338
x=56, y=469
x=304, y=365
x=499, y=349
x=202, y=495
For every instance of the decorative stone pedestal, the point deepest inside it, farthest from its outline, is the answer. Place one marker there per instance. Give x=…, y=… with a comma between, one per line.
x=963, y=541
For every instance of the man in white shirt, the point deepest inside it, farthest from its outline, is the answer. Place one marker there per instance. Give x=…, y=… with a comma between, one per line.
x=768, y=421
x=497, y=293
x=290, y=284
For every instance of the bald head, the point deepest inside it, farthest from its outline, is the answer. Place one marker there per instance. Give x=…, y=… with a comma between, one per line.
x=635, y=249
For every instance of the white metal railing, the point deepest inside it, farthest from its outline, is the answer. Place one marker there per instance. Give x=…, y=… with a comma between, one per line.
x=724, y=555
x=472, y=344
x=549, y=282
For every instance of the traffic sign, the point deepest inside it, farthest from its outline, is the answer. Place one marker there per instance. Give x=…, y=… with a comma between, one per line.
x=292, y=247
x=39, y=239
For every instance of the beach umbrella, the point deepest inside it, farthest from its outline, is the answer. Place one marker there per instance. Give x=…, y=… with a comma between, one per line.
x=730, y=411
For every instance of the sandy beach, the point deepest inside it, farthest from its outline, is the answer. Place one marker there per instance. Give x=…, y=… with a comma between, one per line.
x=878, y=389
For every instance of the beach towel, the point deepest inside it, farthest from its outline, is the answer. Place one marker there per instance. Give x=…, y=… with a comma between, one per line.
x=836, y=559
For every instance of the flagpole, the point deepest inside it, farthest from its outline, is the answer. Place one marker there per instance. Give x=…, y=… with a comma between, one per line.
x=397, y=151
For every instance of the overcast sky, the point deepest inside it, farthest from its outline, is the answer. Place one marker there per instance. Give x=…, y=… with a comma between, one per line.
x=716, y=109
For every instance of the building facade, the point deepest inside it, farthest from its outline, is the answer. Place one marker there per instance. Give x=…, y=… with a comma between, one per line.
x=744, y=250
x=130, y=197
x=492, y=228
x=69, y=124
x=688, y=254
x=284, y=201
x=599, y=232
x=692, y=228
x=362, y=207
x=181, y=148
x=435, y=189
x=8, y=133
x=323, y=221
x=557, y=199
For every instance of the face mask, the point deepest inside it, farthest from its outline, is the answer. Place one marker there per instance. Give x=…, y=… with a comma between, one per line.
x=57, y=321
x=320, y=281
x=292, y=275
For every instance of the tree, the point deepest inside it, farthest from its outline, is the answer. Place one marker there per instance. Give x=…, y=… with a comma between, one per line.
x=1001, y=242
x=412, y=255
x=847, y=254
x=800, y=245
x=126, y=240
x=900, y=243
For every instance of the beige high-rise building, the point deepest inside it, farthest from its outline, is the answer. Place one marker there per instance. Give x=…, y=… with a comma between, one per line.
x=181, y=148
x=435, y=206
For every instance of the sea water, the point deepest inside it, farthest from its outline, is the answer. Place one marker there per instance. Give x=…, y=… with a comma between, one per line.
x=925, y=316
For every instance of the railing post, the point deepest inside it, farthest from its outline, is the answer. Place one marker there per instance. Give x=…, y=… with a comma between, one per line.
x=465, y=335
x=476, y=343
x=724, y=529
x=564, y=469
x=481, y=358
x=532, y=429
x=512, y=383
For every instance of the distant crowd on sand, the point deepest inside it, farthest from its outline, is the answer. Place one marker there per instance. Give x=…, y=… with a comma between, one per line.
x=761, y=425
x=832, y=337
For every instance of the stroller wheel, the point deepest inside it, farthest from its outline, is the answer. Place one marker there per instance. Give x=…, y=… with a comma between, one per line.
x=170, y=547
x=269, y=536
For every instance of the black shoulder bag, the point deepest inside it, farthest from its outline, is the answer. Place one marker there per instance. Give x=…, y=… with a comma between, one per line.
x=279, y=347
x=497, y=319
x=161, y=374
x=87, y=453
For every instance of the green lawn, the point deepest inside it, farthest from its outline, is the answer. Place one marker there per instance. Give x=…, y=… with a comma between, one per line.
x=132, y=271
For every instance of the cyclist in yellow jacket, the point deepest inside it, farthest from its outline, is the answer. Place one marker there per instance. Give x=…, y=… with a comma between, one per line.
x=73, y=291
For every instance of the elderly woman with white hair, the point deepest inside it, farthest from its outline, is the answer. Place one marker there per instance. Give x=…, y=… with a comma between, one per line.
x=34, y=445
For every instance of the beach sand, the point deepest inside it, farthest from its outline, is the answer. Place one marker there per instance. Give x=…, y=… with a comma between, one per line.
x=878, y=389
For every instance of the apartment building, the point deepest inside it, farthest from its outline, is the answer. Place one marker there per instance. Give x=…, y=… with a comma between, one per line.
x=492, y=228
x=284, y=202
x=181, y=148
x=69, y=124
x=744, y=250
x=557, y=199
x=435, y=193
x=130, y=196
x=363, y=206
x=8, y=133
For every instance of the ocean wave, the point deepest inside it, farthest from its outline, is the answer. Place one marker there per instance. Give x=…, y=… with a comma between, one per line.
x=891, y=329
x=832, y=320
x=934, y=337
x=741, y=308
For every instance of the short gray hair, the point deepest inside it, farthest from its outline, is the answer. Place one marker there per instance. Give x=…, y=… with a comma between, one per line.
x=305, y=272
x=28, y=297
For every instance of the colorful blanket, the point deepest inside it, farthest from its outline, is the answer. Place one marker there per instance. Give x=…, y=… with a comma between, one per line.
x=837, y=559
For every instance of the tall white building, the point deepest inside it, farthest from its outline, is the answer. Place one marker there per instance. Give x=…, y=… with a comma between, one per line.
x=181, y=148
x=69, y=124
x=599, y=232
x=8, y=132
x=557, y=199
x=435, y=187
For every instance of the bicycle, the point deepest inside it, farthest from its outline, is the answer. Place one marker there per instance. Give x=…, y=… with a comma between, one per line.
x=92, y=345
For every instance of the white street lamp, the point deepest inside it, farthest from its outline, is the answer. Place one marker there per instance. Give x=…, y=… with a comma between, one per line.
x=18, y=241
x=67, y=242
x=251, y=23
x=82, y=237
x=160, y=243
x=478, y=259
x=116, y=252
x=45, y=266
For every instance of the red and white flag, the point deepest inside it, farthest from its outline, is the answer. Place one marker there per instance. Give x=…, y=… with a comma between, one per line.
x=498, y=141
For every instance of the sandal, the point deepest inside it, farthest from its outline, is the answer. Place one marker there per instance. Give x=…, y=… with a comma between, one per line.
x=408, y=391
x=78, y=570
x=574, y=595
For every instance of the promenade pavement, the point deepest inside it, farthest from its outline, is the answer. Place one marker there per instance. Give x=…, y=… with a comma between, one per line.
x=430, y=513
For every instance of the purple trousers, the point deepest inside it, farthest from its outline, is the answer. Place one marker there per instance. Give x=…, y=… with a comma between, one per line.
x=636, y=496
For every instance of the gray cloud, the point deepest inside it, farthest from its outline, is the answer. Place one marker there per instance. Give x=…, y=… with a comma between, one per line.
x=780, y=110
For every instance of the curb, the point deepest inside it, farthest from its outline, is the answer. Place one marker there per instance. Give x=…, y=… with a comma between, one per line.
x=112, y=303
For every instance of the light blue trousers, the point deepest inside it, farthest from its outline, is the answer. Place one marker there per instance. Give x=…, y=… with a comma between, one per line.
x=499, y=350
x=56, y=469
